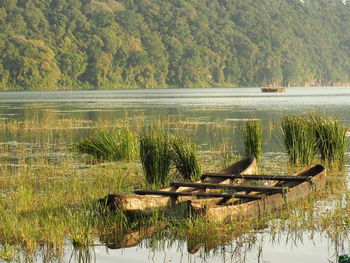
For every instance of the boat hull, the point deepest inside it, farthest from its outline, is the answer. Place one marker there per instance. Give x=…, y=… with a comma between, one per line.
x=229, y=212
x=134, y=203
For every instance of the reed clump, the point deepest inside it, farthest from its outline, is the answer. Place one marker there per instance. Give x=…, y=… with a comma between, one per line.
x=185, y=158
x=299, y=139
x=155, y=154
x=331, y=139
x=109, y=144
x=309, y=135
x=252, y=133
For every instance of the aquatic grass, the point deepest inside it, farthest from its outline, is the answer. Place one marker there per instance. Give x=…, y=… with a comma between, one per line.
x=299, y=139
x=198, y=231
x=228, y=156
x=185, y=158
x=252, y=134
x=307, y=135
x=113, y=144
x=155, y=153
x=81, y=226
x=8, y=252
x=37, y=190
x=331, y=139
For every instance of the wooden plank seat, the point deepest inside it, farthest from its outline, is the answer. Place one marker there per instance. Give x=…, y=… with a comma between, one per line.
x=198, y=194
x=258, y=177
x=264, y=189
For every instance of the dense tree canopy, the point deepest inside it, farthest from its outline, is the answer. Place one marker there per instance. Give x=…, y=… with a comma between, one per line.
x=53, y=44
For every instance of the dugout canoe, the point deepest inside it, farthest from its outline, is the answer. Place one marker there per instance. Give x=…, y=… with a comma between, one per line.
x=133, y=203
x=305, y=181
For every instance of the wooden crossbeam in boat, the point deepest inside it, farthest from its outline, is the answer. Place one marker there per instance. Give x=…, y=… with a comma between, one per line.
x=269, y=189
x=211, y=195
x=257, y=177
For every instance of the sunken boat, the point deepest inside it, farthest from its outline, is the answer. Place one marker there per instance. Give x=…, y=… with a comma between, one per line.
x=264, y=199
x=148, y=200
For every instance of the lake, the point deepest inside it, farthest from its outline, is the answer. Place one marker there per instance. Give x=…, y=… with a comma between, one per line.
x=205, y=109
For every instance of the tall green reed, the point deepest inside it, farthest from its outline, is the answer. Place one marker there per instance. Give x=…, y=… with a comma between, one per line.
x=252, y=137
x=331, y=139
x=109, y=144
x=155, y=153
x=185, y=158
x=299, y=139
x=305, y=136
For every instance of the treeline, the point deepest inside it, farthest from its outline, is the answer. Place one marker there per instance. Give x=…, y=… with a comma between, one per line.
x=57, y=44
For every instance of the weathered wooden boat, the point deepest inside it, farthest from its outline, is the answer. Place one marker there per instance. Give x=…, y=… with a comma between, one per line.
x=273, y=89
x=145, y=201
x=269, y=198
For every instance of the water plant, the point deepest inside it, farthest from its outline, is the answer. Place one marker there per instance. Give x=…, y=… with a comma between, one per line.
x=45, y=191
x=299, y=139
x=310, y=134
x=155, y=153
x=185, y=158
x=331, y=139
x=228, y=156
x=8, y=252
x=81, y=227
x=252, y=133
x=109, y=144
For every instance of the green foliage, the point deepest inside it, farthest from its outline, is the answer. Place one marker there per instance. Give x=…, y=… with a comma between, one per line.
x=158, y=43
x=155, y=153
x=299, y=138
x=185, y=158
x=252, y=133
x=115, y=144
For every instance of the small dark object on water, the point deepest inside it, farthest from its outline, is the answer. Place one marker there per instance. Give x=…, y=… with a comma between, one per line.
x=273, y=89
x=344, y=259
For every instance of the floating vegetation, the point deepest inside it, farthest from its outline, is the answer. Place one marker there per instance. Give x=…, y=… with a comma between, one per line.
x=155, y=153
x=109, y=144
x=185, y=158
x=252, y=133
x=299, y=139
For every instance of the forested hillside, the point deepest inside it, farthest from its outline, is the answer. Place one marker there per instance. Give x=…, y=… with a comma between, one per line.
x=57, y=44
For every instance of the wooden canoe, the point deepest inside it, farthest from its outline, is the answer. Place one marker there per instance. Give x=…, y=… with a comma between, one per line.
x=132, y=203
x=311, y=178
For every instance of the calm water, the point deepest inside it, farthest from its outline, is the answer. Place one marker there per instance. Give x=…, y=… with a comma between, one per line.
x=210, y=104
x=203, y=105
x=248, y=248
